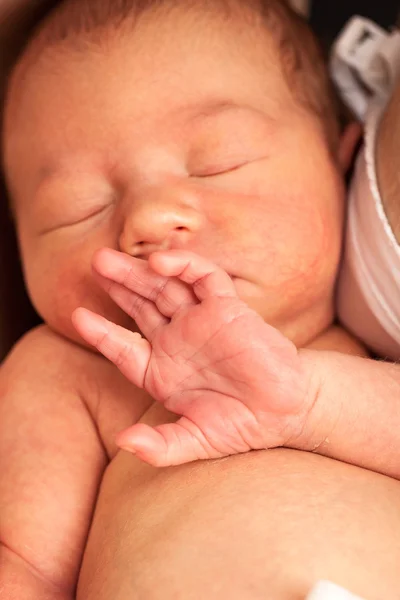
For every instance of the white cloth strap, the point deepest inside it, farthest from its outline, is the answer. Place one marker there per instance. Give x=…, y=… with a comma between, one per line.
x=365, y=63
x=328, y=591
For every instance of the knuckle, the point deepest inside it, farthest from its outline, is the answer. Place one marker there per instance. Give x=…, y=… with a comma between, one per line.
x=137, y=306
x=122, y=355
x=159, y=291
x=102, y=343
x=129, y=278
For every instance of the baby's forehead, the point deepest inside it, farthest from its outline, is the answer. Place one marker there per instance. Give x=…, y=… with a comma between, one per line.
x=83, y=23
x=80, y=27
x=268, y=28
x=69, y=36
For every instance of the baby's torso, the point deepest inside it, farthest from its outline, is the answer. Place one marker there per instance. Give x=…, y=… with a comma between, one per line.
x=262, y=525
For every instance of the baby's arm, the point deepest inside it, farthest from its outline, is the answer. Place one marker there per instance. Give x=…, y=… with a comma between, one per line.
x=356, y=414
x=52, y=462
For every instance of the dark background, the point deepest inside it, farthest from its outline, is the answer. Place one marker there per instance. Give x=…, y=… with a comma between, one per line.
x=329, y=16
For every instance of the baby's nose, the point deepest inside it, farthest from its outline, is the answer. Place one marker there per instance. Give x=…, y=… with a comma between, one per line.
x=158, y=224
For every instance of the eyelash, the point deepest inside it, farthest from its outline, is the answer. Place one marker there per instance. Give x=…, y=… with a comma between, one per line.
x=84, y=219
x=222, y=171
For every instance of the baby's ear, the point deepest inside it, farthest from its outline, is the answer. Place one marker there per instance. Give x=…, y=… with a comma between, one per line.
x=348, y=143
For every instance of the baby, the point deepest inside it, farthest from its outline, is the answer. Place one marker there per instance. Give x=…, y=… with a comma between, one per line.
x=218, y=416
x=176, y=169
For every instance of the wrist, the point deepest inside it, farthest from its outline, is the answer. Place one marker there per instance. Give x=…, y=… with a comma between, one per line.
x=318, y=416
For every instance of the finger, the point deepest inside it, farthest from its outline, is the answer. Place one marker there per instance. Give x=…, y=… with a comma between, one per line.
x=206, y=278
x=145, y=314
x=126, y=349
x=167, y=445
x=169, y=295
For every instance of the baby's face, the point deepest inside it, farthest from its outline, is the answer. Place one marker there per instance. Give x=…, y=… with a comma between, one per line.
x=180, y=134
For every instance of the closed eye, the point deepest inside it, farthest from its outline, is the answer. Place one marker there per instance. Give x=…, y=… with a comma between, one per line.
x=73, y=223
x=213, y=172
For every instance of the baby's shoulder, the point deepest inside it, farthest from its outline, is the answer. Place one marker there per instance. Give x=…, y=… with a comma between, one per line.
x=44, y=355
x=43, y=363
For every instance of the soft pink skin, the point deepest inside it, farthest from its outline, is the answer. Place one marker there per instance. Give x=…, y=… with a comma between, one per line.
x=237, y=382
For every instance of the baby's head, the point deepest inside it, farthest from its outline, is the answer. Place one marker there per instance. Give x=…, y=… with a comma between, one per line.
x=204, y=125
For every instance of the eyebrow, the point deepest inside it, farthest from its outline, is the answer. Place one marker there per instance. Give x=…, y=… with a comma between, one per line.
x=197, y=111
x=209, y=108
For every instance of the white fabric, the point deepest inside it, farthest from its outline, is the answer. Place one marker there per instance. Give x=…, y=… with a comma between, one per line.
x=369, y=282
x=328, y=591
x=365, y=63
x=372, y=253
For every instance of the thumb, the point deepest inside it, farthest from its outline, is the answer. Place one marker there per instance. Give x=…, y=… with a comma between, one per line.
x=167, y=445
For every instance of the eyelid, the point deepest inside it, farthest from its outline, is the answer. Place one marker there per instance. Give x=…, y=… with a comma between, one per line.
x=222, y=159
x=66, y=225
x=230, y=141
x=214, y=171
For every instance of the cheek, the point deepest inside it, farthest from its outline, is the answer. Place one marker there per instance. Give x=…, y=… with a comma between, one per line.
x=73, y=285
x=286, y=217
x=290, y=244
x=57, y=284
x=297, y=262
x=61, y=282
x=293, y=235
x=304, y=233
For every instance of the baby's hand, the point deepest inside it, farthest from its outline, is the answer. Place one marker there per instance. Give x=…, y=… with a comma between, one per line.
x=237, y=383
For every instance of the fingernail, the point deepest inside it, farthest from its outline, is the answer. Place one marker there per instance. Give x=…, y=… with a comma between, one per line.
x=95, y=324
x=127, y=449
